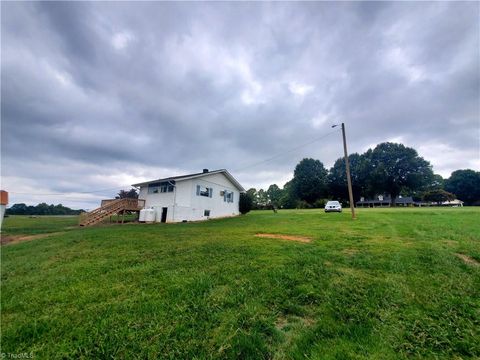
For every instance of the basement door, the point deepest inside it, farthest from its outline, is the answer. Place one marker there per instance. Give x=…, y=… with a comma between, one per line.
x=164, y=214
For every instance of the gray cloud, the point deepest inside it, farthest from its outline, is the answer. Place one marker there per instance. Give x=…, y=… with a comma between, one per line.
x=102, y=95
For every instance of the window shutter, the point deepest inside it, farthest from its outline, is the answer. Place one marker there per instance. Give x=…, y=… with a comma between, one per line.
x=232, y=197
x=210, y=192
x=198, y=190
x=224, y=195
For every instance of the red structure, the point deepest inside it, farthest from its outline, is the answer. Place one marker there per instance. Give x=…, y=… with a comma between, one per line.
x=3, y=197
x=3, y=204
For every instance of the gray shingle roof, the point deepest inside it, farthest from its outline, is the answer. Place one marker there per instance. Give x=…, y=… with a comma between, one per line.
x=195, y=175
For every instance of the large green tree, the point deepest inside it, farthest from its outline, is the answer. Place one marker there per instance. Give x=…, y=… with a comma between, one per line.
x=262, y=199
x=310, y=180
x=337, y=178
x=465, y=184
x=288, y=200
x=438, y=196
x=395, y=167
x=437, y=182
x=274, y=194
x=252, y=194
x=127, y=194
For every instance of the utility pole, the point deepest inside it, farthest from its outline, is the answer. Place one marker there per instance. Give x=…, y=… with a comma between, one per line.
x=347, y=166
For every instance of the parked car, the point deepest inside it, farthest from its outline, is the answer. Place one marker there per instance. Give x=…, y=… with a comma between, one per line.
x=333, y=206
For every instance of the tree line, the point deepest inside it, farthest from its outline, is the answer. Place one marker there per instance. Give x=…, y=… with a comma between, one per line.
x=390, y=169
x=41, y=209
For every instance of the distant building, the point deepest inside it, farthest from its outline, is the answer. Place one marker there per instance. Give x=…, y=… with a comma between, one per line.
x=453, y=203
x=385, y=201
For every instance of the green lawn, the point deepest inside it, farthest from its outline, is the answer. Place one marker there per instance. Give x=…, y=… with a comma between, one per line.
x=33, y=225
x=389, y=285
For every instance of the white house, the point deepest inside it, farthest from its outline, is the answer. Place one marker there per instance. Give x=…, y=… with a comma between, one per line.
x=193, y=197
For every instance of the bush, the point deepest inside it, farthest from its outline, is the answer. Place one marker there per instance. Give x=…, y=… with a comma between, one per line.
x=245, y=203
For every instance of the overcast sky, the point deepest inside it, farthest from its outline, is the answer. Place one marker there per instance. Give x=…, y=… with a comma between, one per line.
x=100, y=95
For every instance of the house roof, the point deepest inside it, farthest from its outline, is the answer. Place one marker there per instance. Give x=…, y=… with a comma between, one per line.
x=196, y=175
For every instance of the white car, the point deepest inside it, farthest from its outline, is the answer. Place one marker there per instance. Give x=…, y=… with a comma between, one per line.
x=333, y=206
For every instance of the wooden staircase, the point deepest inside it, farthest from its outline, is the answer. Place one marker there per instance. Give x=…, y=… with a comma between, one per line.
x=109, y=208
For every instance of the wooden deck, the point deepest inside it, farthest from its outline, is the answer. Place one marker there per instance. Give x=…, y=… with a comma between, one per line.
x=111, y=207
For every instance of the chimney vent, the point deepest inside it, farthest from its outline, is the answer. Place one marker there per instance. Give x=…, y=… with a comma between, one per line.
x=205, y=171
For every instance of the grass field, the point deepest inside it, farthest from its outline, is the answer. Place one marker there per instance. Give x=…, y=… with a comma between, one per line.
x=395, y=283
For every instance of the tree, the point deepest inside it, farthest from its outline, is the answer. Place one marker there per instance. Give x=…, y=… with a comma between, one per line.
x=438, y=196
x=465, y=184
x=337, y=178
x=395, y=167
x=245, y=203
x=437, y=182
x=17, y=209
x=288, y=200
x=274, y=194
x=310, y=180
x=41, y=209
x=130, y=194
x=262, y=199
x=252, y=193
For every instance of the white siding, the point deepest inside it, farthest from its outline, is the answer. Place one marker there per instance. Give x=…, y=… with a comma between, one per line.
x=185, y=204
x=183, y=193
x=159, y=199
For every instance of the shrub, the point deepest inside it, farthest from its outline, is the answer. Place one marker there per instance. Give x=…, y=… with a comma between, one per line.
x=245, y=203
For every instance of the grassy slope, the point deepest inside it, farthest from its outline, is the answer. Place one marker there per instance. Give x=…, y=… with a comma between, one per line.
x=385, y=286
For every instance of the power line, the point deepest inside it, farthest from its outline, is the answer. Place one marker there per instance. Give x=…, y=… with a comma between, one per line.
x=287, y=151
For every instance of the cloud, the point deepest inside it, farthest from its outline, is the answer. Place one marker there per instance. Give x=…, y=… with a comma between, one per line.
x=121, y=39
x=98, y=95
x=300, y=89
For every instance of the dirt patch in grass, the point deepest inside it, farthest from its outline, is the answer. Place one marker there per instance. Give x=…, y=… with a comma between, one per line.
x=304, y=239
x=15, y=239
x=468, y=260
x=283, y=323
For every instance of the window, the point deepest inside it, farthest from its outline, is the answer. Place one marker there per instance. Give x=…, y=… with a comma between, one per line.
x=228, y=196
x=206, y=213
x=161, y=187
x=204, y=191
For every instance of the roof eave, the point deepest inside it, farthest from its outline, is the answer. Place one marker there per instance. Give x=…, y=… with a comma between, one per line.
x=227, y=174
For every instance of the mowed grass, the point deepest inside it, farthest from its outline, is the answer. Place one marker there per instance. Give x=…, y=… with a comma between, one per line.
x=388, y=285
x=33, y=225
